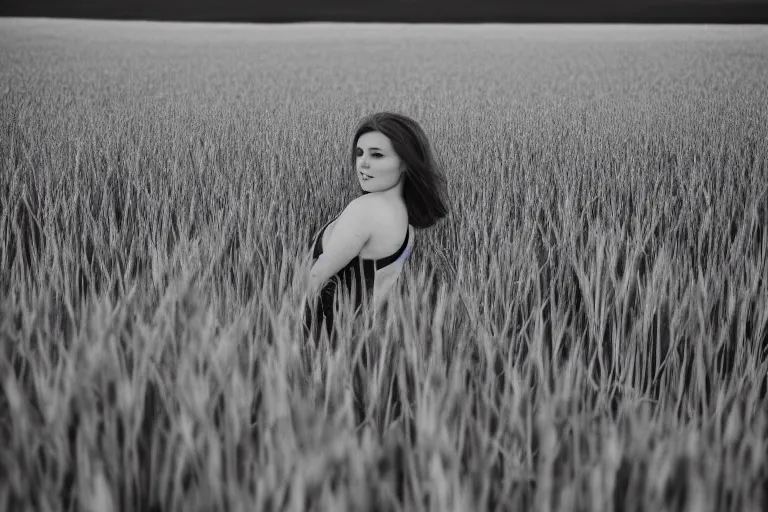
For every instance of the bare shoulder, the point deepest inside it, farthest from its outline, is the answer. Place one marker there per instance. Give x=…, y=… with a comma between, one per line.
x=359, y=213
x=363, y=206
x=381, y=208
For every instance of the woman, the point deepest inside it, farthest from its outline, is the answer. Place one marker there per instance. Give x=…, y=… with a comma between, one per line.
x=362, y=251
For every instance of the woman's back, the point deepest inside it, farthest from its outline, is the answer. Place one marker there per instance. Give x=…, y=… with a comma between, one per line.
x=373, y=275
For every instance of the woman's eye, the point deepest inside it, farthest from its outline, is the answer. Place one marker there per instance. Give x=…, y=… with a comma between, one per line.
x=359, y=153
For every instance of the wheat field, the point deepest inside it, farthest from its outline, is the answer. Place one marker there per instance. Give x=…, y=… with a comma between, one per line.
x=587, y=330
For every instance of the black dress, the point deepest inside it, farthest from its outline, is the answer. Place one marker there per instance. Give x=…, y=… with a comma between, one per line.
x=356, y=279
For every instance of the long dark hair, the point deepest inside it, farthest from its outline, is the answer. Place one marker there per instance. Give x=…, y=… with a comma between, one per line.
x=424, y=188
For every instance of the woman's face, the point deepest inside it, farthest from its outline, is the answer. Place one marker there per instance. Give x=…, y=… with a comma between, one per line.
x=376, y=158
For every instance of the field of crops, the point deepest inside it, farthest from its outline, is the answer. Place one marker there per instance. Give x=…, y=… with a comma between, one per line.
x=587, y=329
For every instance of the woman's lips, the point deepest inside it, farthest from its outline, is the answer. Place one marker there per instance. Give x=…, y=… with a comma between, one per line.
x=365, y=176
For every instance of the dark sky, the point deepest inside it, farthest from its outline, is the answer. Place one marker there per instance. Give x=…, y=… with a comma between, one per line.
x=708, y=11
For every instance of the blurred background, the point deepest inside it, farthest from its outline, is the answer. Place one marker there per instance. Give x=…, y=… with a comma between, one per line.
x=435, y=11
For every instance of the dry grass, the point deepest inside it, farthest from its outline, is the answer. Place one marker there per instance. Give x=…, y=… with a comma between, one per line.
x=586, y=331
